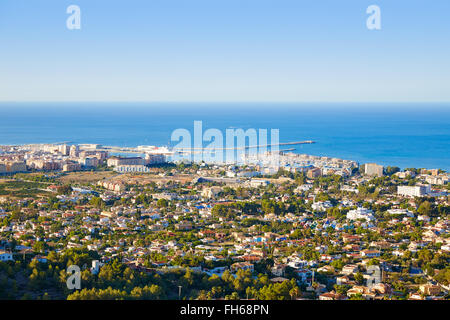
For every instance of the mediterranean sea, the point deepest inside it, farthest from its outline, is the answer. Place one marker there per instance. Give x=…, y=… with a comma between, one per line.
x=396, y=134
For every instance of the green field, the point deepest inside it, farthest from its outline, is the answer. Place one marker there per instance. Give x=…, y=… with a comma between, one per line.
x=21, y=188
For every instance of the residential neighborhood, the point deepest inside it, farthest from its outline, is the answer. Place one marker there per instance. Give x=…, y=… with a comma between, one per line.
x=219, y=231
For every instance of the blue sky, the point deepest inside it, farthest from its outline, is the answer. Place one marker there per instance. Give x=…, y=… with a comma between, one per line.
x=225, y=50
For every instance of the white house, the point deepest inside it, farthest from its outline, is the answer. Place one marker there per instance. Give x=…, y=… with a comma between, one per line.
x=321, y=205
x=255, y=183
x=401, y=212
x=95, y=266
x=5, y=256
x=360, y=213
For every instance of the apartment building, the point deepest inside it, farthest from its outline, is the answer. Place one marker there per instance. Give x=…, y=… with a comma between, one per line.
x=123, y=161
x=413, y=191
x=373, y=169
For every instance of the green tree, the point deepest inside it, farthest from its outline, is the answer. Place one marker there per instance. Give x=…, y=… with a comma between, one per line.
x=162, y=203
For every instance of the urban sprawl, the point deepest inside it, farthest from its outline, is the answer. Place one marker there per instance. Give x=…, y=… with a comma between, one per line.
x=146, y=227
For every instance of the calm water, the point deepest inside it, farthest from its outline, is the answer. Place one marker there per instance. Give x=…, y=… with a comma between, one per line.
x=416, y=135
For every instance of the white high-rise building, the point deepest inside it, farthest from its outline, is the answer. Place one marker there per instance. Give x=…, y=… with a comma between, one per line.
x=414, y=191
x=373, y=169
x=64, y=149
x=74, y=151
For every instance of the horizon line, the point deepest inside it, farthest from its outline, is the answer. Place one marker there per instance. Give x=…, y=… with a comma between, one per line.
x=220, y=101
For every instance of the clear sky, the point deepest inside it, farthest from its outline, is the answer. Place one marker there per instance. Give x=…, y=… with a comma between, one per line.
x=225, y=50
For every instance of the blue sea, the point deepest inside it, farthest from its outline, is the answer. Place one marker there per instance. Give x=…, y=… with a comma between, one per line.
x=397, y=134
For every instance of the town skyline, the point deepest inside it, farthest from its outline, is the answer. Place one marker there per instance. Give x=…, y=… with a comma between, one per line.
x=80, y=221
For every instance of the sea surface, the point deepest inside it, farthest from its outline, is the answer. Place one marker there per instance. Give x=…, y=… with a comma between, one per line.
x=397, y=134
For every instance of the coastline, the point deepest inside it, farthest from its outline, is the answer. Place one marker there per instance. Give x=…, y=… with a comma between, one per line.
x=403, y=135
